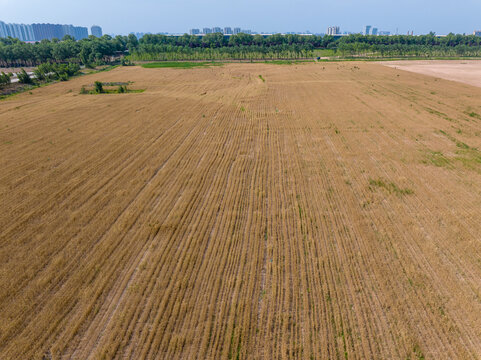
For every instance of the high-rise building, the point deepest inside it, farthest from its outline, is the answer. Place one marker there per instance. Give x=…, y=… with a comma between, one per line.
x=38, y=32
x=50, y=31
x=80, y=32
x=96, y=31
x=194, y=31
x=216, y=30
x=374, y=31
x=227, y=31
x=3, y=30
x=26, y=32
x=246, y=31
x=20, y=31
x=207, y=31
x=333, y=30
x=237, y=30
x=367, y=30
x=475, y=33
x=77, y=32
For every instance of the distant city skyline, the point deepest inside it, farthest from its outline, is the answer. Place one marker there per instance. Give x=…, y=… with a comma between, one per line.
x=122, y=17
x=38, y=32
x=216, y=29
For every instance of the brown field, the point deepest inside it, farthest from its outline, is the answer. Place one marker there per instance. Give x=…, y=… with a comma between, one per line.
x=466, y=71
x=331, y=211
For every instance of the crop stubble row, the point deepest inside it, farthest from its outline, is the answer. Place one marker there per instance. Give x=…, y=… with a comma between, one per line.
x=217, y=215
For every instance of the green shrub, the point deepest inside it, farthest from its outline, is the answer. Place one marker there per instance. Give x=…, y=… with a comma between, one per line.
x=62, y=72
x=73, y=69
x=126, y=62
x=98, y=87
x=44, y=71
x=23, y=77
x=5, y=79
x=63, y=77
x=38, y=74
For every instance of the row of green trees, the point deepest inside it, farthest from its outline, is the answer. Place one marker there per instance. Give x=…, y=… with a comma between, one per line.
x=245, y=46
x=242, y=52
x=431, y=39
x=318, y=42
x=87, y=51
x=218, y=40
x=219, y=47
x=404, y=50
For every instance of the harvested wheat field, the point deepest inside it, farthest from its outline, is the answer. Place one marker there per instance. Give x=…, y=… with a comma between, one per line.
x=244, y=211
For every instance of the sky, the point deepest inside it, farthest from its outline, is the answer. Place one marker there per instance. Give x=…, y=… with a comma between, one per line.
x=178, y=16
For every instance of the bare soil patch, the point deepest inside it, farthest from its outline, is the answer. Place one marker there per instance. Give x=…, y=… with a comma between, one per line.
x=465, y=71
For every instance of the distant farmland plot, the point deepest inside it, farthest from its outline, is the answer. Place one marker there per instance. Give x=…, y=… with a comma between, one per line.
x=249, y=211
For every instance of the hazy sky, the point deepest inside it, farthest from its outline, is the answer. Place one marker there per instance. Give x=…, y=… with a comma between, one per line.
x=178, y=16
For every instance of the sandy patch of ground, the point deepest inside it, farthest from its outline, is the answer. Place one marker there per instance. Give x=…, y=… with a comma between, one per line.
x=465, y=71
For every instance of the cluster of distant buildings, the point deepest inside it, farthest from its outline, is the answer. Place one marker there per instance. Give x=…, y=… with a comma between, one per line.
x=140, y=35
x=38, y=32
x=331, y=30
x=214, y=30
x=368, y=30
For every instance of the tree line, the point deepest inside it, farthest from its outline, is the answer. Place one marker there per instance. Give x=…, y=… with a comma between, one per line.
x=94, y=51
x=319, y=42
x=15, y=53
